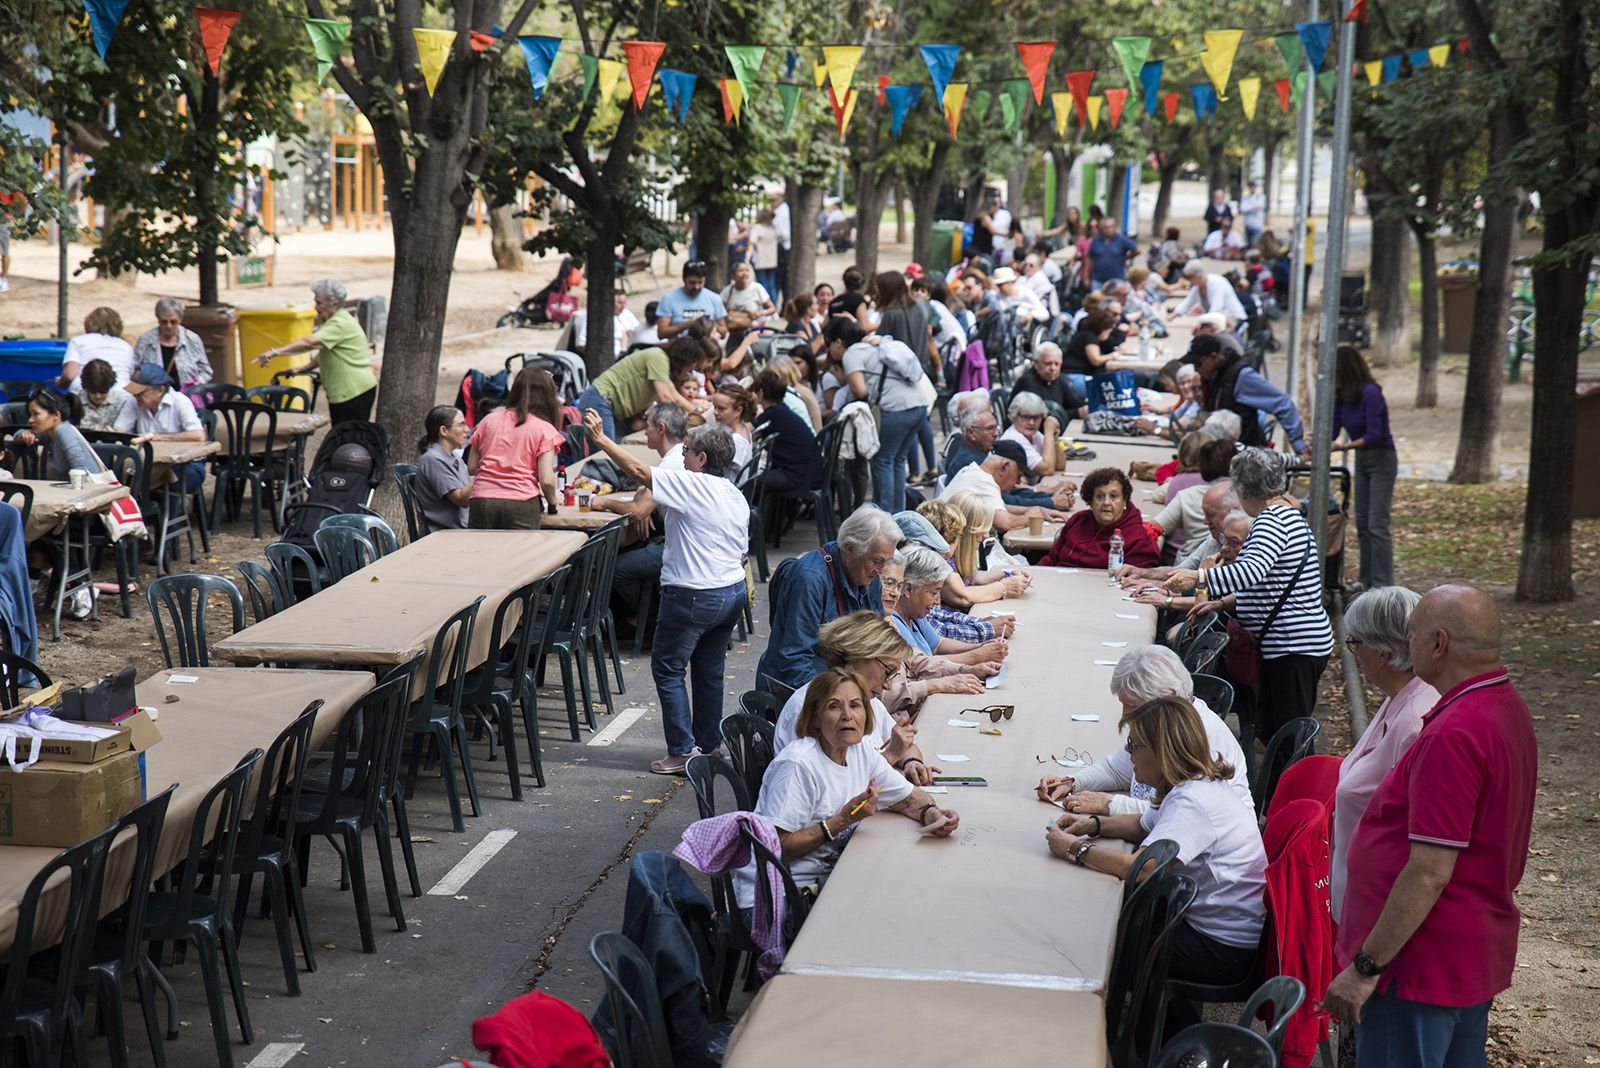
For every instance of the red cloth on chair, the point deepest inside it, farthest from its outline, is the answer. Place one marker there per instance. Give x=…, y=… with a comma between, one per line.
x=539, y=1031
x=1297, y=841
x=1313, y=777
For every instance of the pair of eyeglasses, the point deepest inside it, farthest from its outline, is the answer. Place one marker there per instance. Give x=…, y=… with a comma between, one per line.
x=1351, y=642
x=1070, y=758
x=890, y=671
x=995, y=712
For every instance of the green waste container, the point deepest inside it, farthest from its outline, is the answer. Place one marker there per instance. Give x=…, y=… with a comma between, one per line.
x=946, y=246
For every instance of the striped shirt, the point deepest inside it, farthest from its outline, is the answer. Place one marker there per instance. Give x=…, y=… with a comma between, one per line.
x=1279, y=539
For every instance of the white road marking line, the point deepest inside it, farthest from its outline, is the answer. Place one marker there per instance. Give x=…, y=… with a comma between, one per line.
x=472, y=863
x=277, y=1055
x=613, y=730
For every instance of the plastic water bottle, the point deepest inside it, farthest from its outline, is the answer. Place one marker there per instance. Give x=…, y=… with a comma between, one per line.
x=1144, y=342
x=1114, y=560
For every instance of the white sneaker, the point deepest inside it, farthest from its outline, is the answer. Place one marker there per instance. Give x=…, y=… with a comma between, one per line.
x=81, y=604
x=4, y=285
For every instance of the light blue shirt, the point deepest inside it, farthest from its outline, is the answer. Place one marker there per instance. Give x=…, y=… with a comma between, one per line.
x=923, y=638
x=678, y=307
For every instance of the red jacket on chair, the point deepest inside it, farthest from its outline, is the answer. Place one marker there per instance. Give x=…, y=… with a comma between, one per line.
x=1297, y=840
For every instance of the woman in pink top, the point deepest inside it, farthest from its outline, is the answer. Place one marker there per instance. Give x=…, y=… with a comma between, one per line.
x=1376, y=624
x=513, y=457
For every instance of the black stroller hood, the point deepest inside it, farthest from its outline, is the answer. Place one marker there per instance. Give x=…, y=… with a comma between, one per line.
x=350, y=464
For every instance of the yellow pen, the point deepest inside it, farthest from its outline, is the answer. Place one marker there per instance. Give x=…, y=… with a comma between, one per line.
x=872, y=791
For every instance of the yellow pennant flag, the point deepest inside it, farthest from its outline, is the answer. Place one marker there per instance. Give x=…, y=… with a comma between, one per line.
x=610, y=74
x=819, y=71
x=1249, y=91
x=1218, y=57
x=841, y=62
x=849, y=109
x=734, y=92
x=1439, y=55
x=433, y=49
x=955, y=98
x=1374, y=69
x=1096, y=102
x=1061, y=103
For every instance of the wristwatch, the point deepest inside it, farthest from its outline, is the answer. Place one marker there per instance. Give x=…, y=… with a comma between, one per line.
x=1077, y=854
x=1366, y=966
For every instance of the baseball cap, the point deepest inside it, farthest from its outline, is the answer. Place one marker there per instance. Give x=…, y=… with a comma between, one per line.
x=914, y=270
x=1002, y=275
x=145, y=375
x=1012, y=451
x=917, y=528
x=1215, y=319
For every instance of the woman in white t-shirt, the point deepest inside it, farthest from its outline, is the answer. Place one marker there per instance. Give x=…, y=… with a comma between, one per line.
x=707, y=521
x=830, y=779
x=1219, y=846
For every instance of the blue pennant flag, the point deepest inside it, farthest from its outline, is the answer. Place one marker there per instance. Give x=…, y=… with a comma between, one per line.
x=1205, y=100
x=1150, y=78
x=792, y=58
x=104, y=18
x=540, y=52
x=941, y=61
x=1314, y=37
x=902, y=98
x=1418, y=59
x=1391, y=68
x=677, y=89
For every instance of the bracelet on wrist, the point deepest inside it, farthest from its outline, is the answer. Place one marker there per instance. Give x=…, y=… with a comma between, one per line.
x=827, y=832
x=1096, y=825
x=923, y=811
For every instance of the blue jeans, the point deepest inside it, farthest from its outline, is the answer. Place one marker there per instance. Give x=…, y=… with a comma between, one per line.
x=928, y=452
x=897, y=436
x=692, y=631
x=1394, y=1031
x=592, y=399
x=768, y=277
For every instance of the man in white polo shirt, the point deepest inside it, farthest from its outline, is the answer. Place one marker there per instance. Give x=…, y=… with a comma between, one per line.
x=161, y=413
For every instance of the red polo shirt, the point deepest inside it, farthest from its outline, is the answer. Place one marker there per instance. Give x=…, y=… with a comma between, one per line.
x=1467, y=782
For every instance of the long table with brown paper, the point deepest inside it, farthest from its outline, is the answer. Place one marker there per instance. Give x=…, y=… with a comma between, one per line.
x=391, y=609
x=1106, y=454
x=215, y=720
x=990, y=905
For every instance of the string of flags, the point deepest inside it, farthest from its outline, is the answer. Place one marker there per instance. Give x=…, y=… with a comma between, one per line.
x=1303, y=51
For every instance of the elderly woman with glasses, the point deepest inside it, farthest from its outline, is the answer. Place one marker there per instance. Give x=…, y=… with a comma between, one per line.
x=1197, y=806
x=1036, y=431
x=339, y=352
x=1111, y=786
x=925, y=573
x=178, y=350
x=865, y=643
x=924, y=674
x=1377, y=624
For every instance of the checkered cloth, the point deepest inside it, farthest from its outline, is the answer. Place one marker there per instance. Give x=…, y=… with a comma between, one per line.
x=959, y=626
x=715, y=846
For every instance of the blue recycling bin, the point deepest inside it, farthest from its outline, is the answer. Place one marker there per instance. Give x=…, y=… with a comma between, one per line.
x=31, y=360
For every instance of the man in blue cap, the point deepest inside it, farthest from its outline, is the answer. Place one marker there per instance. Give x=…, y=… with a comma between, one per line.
x=161, y=413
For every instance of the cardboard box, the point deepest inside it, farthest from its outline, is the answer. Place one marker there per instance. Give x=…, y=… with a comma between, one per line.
x=134, y=732
x=55, y=803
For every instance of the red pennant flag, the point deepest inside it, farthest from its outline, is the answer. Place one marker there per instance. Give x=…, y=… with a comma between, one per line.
x=1170, y=102
x=727, y=101
x=1115, y=98
x=1282, y=86
x=883, y=83
x=642, y=59
x=481, y=41
x=1463, y=44
x=1078, y=84
x=215, y=26
x=1036, y=61
x=1358, y=12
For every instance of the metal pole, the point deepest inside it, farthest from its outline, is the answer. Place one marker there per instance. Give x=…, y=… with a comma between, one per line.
x=61, y=223
x=1332, y=268
x=1305, y=150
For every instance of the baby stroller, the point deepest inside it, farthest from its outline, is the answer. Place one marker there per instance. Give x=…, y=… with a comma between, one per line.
x=534, y=311
x=1353, y=328
x=349, y=466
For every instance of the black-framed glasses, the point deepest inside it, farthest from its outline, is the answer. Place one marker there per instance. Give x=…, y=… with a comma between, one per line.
x=1351, y=642
x=995, y=712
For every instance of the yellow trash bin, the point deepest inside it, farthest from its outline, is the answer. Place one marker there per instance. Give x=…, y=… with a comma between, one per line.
x=261, y=329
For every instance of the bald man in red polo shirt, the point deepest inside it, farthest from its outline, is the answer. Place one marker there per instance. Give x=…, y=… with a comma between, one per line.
x=1429, y=933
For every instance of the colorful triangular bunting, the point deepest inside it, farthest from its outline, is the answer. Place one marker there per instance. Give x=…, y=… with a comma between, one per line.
x=1131, y=53
x=642, y=59
x=1036, y=61
x=540, y=53
x=215, y=26
x=1221, y=46
x=941, y=62
x=327, y=39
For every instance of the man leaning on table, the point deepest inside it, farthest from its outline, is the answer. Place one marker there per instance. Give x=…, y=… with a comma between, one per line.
x=160, y=413
x=1429, y=931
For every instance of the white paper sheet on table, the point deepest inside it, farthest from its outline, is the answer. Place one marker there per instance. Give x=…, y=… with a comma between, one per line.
x=1127, y=615
x=1085, y=717
x=1115, y=645
x=961, y=723
x=953, y=758
x=1105, y=663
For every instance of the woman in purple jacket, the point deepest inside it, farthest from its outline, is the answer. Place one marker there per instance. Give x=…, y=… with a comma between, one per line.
x=1363, y=415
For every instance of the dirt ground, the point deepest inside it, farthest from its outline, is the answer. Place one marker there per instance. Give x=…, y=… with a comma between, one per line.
x=1443, y=533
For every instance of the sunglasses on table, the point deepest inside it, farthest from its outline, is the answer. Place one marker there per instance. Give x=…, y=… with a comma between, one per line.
x=995, y=712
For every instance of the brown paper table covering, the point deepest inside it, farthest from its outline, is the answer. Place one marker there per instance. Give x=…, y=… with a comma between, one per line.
x=800, y=1021
x=990, y=904
x=389, y=610
x=1107, y=454
x=1143, y=442
x=290, y=425
x=572, y=519
x=54, y=501
x=165, y=454
x=214, y=722
x=638, y=450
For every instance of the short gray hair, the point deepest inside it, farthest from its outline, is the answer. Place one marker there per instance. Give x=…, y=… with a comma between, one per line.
x=1222, y=425
x=1027, y=404
x=1116, y=288
x=969, y=416
x=715, y=442
x=1148, y=672
x=1381, y=618
x=1046, y=345
x=673, y=420
x=1193, y=269
x=1257, y=474
x=1235, y=515
x=1188, y=371
x=330, y=289
x=865, y=525
x=923, y=565
x=169, y=306
x=959, y=402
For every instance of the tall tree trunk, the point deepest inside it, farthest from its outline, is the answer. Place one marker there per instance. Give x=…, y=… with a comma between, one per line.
x=1017, y=185
x=711, y=241
x=1167, y=174
x=505, y=238
x=1115, y=191
x=804, y=203
x=870, y=190
x=900, y=208
x=600, y=281
x=974, y=189
x=1269, y=170
x=925, y=202
x=1062, y=177
x=1428, y=364
x=207, y=233
x=1217, y=168
x=1486, y=356
x=1391, y=282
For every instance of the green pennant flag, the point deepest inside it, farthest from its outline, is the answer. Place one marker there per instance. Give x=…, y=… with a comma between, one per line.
x=327, y=40
x=746, y=63
x=1132, y=51
x=980, y=104
x=1292, y=50
x=790, y=94
x=1297, y=88
x=1328, y=82
x=591, y=67
x=1016, y=91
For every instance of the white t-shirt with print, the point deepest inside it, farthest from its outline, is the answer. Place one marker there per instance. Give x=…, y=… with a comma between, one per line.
x=707, y=521
x=802, y=786
x=1219, y=847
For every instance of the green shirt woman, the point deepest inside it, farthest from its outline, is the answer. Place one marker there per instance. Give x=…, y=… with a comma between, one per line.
x=339, y=351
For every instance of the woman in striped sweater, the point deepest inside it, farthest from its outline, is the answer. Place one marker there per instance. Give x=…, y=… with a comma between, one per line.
x=1278, y=565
